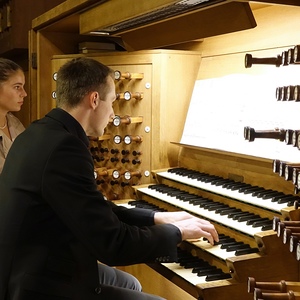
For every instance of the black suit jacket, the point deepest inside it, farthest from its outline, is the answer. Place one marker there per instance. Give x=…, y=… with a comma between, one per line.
x=55, y=224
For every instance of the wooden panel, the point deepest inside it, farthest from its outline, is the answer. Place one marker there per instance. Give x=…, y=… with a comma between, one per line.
x=284, y=2
x=154, y=283
x=61, y=11
x=167, y=84
x=32, y=76
x=265, y=36
x=271, y=265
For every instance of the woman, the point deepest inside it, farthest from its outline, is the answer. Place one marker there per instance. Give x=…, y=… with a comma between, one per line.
x=12, y=94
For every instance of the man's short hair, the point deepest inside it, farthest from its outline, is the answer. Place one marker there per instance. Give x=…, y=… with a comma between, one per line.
x=77, y=78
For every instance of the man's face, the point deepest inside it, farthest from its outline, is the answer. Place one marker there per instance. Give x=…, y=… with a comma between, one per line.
x=104, y=111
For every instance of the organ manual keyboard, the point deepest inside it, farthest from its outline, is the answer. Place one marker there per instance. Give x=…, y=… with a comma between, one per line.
x=241, y=195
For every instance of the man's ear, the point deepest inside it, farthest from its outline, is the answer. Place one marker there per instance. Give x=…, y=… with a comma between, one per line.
x=94, y=99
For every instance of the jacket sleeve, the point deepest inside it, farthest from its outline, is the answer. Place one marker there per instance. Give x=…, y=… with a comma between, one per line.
x=134, y=216
x=68, y=186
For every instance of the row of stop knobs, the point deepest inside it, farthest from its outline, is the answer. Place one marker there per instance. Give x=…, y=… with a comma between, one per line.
x=99, y=155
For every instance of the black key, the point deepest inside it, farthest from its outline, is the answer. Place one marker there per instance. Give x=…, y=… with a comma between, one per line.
x=195, y=264
x=229, y=184
x=218, y=210
x=205, y=265
x=268, y=226
x=231, y=215
x=239, y=186
x=237, y=216
x=258, y=191
x=262, y=222
x=247, y=218
x=292, y=198
x=237, y=247
x=199, y=201
x=271, y=195
x=176, y=193
x=252, y=190
x=220, y=182
x=266, y=192
x=226, y=245
x=218, y=277
x=246, y=188
x=246, y=251
x=250, y=222
x=186, y=197
x=228, y=241
x=213, y=206
x=209, y=271
x=202, y=204
x=227, y=211
x=204, y=178
x=277, y=198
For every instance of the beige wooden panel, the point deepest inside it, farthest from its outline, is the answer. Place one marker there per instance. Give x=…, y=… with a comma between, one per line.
x=168, y=79
x=277, y=26
x=60, y=11
x=154, y=283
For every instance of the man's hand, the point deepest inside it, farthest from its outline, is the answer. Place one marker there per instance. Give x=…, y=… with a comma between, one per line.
x=190, y=226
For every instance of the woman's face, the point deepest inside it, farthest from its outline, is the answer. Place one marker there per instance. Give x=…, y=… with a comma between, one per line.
x=12, y=92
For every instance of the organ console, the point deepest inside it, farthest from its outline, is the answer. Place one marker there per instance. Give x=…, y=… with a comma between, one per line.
x=155, y=73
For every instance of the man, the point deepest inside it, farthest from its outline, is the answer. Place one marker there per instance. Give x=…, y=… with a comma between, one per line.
x=54, y=223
